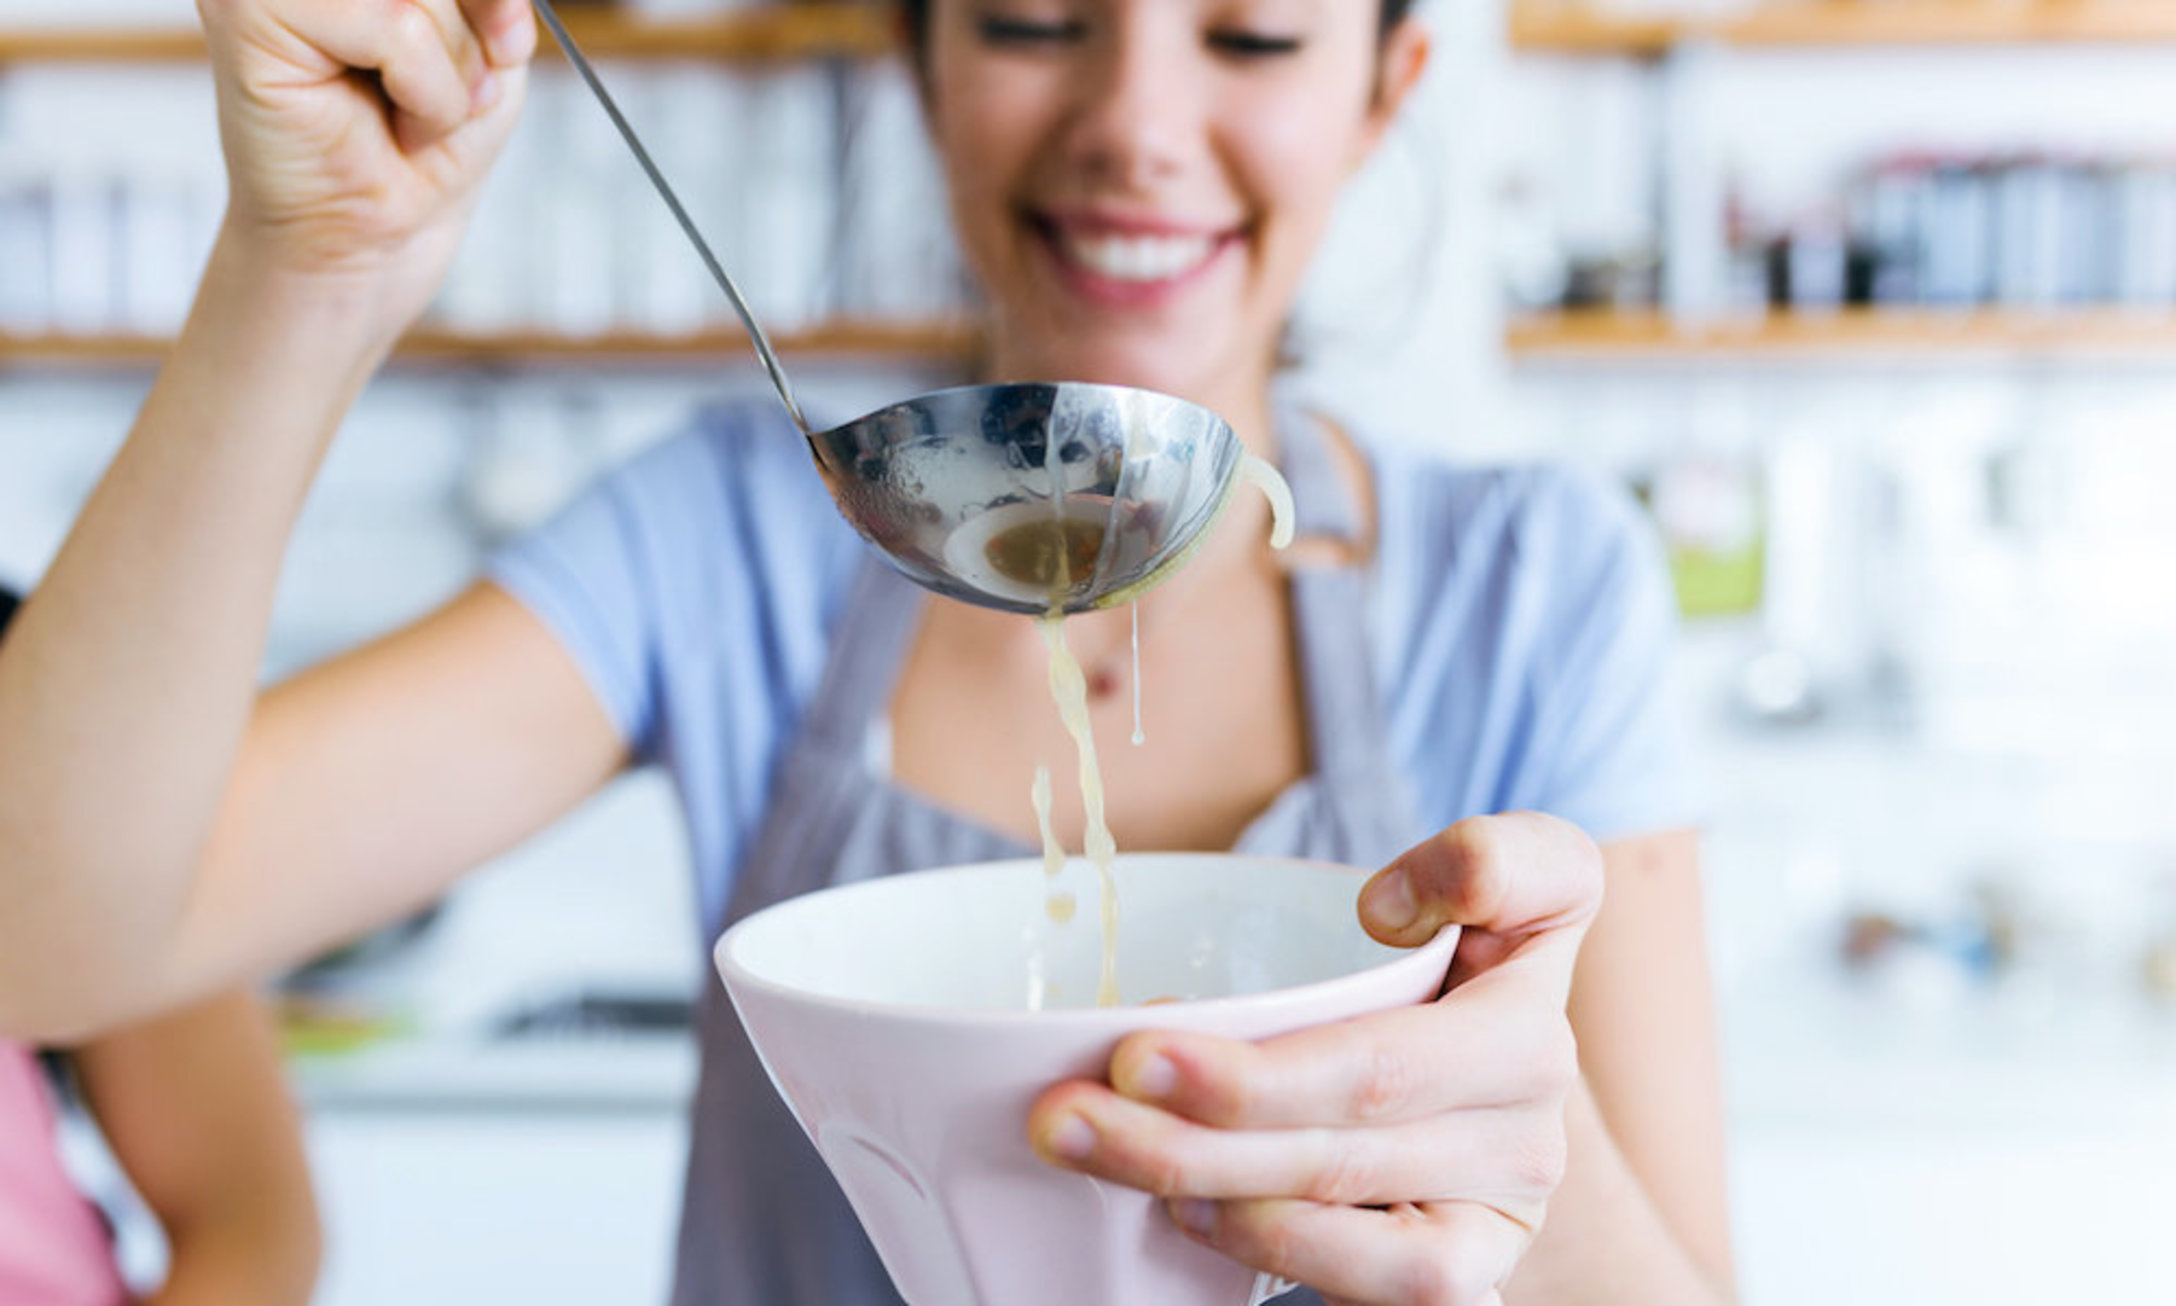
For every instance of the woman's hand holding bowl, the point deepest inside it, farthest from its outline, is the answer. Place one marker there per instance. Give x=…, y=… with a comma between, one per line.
x=1401, y=1158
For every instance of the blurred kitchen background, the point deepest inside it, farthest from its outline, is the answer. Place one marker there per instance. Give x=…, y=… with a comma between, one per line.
x=1872, y=301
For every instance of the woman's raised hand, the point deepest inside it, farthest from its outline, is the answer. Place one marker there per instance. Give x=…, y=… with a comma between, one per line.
x=1400, y=1159
x=356, y=131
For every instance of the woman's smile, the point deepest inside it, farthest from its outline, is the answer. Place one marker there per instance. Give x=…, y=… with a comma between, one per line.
x=1131, y=262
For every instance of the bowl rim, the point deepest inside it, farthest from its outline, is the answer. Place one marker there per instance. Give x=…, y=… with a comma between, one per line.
x=1433, y=955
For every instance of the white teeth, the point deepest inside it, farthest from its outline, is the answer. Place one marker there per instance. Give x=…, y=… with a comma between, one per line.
x=1139, y=258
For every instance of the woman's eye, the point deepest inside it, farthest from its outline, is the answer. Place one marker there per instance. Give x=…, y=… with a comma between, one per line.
x=999, y=30
x=1252, y=45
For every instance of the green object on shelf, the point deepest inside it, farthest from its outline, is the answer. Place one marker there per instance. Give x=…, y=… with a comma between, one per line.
x=314, y=1029
x=1718, y=584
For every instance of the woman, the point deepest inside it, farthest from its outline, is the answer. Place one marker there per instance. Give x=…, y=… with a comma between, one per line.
x=1139, y=185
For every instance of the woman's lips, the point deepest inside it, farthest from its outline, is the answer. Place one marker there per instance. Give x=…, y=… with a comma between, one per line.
x=1131, y=266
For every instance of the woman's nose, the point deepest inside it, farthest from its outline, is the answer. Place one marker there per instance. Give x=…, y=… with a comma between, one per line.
x=1138, y=108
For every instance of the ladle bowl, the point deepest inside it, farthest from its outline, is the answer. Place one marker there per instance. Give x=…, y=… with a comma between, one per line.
x=1033, y=497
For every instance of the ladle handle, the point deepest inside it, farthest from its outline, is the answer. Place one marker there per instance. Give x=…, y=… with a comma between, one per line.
x=756, y=337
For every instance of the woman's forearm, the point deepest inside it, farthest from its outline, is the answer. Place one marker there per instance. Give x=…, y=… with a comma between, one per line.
x=127, y=680
x=195, y=1108
x=272, y=1263
x=1604, y=1243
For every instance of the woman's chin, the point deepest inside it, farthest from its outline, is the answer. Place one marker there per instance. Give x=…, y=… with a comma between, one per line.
x=1170, y=366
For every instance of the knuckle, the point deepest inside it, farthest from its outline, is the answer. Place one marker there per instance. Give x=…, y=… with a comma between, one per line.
x=1345, y=1177
x=1538, y=1157
x=1387, y=1083
x=1267, y=1241
x=1444, y=1279
x=1555, y=1061
x=1481, y=874
x=1167, y=1174
x=411, y=25
x=1235, y=1101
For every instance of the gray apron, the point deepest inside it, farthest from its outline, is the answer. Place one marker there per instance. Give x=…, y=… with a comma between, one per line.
x=762, y=1223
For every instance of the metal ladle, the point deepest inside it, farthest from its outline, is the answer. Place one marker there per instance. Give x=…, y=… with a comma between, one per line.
x=1027, y=496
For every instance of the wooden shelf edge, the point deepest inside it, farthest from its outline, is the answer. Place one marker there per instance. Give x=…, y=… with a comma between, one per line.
x=1553, y=29
x=431, y=345
x=1572, y=29
x=1895, y=333
x=728, y=344
x=781, y=33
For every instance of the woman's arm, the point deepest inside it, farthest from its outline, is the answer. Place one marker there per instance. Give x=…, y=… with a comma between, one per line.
x=1642, y=1215
x=355, y=136
x=195, y=1108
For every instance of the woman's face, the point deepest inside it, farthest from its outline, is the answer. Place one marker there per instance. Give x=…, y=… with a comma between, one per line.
x=1140, y=184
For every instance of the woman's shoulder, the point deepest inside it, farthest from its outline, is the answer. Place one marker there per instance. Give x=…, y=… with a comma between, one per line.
x=1522, y=617
x=715, y=546
x=738, y=444
x=1534, y=520
x=734, y=486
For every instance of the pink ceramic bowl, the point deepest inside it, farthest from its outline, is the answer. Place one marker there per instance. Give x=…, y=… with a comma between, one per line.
x=897, y=1017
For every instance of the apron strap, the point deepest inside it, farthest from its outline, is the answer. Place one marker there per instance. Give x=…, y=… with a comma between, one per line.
x=1320, y=502
x=868, y=649
x=1344, y=716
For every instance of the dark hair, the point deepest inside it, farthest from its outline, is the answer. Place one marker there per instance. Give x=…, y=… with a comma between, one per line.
x=917, y=16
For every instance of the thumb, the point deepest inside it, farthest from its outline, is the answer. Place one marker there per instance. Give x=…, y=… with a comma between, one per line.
x=1509, y=875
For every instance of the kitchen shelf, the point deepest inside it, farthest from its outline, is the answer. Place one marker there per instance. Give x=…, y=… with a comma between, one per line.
x=1907, y=333
x=1542, y=28
x=433, y=345
x=1577, y=29
x=762, y=34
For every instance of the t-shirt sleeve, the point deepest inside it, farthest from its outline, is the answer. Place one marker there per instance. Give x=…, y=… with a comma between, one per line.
x=696, y=588
x=588, y=574
x=1610, y=750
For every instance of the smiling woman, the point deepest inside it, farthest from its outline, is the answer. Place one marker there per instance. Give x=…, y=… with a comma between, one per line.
x=1139, y=186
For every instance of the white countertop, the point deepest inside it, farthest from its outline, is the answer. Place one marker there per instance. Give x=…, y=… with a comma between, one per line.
x=646, y=1073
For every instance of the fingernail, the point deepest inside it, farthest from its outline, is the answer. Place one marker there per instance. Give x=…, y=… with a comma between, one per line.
x=488, y=90
x=1072, y=1140
x=1196, y=1215
x=1388, y=899
x=1150, y=1079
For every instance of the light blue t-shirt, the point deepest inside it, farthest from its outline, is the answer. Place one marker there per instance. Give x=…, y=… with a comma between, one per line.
x=1520, y=624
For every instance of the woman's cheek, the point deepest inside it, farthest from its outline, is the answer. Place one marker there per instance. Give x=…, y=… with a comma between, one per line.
x=1292, y=171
